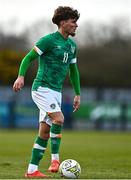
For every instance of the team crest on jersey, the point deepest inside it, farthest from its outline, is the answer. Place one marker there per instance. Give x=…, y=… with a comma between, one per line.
x=72, y=49
x=53, y=106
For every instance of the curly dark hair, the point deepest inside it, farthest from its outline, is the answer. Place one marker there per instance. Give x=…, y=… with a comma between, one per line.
x=64, y=13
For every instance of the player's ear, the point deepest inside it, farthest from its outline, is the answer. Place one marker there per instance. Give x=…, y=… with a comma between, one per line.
x=62, y=23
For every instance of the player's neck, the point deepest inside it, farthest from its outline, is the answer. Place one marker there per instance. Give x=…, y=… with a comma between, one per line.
x=65, y=35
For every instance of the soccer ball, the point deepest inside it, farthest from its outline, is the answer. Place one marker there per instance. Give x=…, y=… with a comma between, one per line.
x=70, y=168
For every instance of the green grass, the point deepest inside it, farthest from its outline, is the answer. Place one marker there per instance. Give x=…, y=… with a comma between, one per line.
x=102, y=155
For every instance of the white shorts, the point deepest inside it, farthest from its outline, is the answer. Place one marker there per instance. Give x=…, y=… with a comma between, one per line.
x=48, y=101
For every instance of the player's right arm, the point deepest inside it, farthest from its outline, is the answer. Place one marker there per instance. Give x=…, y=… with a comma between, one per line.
x=40, y=47
x=19, y=83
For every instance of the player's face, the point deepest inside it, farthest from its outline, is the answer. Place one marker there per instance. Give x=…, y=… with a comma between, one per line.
x=70, y=26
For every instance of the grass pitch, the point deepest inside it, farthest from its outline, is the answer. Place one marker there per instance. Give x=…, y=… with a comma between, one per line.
x=102, y=155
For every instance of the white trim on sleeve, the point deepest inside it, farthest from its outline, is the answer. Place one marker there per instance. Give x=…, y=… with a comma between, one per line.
x=73, y=61
x=38, y=50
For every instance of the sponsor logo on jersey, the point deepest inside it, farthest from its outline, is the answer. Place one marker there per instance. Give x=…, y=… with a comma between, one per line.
x=58, y=47
x=72, y=49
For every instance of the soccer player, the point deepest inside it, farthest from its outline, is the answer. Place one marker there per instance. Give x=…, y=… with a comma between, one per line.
x=56, y=54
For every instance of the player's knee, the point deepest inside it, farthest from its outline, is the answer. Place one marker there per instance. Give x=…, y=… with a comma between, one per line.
x=57, y=118
x=59, y=121
x=44, y=136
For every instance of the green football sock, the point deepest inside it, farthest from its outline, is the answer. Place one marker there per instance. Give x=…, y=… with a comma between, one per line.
x=55, y=136
x=38, y=150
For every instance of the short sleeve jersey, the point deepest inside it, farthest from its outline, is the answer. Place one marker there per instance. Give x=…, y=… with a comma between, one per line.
x=55, y=55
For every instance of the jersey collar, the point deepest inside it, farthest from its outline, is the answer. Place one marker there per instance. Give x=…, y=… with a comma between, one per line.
x=59, y=35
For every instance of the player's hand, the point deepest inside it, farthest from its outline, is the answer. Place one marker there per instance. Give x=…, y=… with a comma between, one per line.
x=18, y=84
x=76, y=103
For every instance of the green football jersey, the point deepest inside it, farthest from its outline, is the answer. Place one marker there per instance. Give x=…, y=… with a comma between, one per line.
x=56, y=54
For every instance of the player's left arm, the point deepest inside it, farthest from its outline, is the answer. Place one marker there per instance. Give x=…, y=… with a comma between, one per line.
x=75, y=80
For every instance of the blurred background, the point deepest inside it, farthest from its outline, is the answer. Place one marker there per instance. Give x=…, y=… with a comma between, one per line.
x=104, y=59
